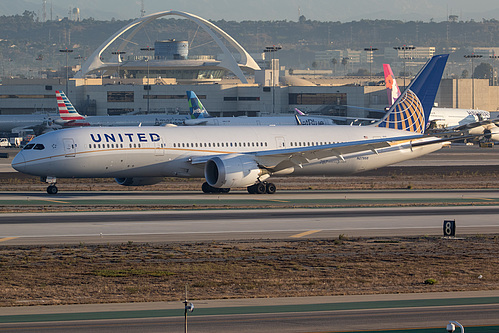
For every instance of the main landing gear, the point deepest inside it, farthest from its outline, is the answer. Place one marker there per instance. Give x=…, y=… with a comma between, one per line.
x=51, y=189
x=207, y=188
x=261, y=188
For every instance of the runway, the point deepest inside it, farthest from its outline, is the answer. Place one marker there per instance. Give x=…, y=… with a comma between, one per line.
x=171, y=226
x=477, y=311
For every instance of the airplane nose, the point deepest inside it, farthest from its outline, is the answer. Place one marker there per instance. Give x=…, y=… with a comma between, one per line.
x=19, y=163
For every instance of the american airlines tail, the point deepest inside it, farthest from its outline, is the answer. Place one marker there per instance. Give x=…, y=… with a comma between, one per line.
x=196, y=108
x=411, y=111
x=67, y=111
x=392, y=87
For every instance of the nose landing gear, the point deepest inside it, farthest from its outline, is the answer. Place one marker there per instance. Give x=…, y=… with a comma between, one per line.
x=51, y=189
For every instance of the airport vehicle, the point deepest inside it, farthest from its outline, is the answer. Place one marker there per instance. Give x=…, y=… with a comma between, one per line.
x=443, y=118
x=238, y=156
x=72, y=118
x=4, y=142
x=197, y=108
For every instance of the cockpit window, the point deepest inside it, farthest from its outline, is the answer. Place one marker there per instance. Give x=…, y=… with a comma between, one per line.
x=29, y=146
x=39, y=146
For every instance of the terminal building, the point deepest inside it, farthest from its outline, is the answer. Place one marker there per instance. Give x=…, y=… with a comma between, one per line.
x=232, y=83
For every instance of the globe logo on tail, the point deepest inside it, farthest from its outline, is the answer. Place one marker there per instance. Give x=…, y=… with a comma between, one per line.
x=407, y=114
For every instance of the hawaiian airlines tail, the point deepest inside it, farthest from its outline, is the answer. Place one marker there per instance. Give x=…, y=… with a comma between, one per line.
x=392, y=87
x=67, y=111
x=196, y=108
x=411, y=111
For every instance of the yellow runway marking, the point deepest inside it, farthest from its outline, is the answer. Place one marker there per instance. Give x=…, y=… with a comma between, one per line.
x=273, y=200
x=7, y=238
x=487, y=199
x=306, y=233
x=58, y=201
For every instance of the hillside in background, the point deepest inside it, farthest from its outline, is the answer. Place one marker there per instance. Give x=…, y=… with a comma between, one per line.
x=23, y=38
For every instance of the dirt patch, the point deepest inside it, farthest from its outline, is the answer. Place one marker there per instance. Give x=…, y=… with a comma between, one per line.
x=130, y=272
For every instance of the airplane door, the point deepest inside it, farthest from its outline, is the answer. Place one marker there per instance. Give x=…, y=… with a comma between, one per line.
x=69, y=147
x=159, y=148
x=280, y=143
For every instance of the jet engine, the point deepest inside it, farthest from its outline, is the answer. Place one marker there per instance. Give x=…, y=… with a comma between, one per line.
x=233, y=171
x=492, y=134
x=138, y=181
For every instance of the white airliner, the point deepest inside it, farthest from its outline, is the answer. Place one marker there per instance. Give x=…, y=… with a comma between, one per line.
x=72, y=118
x=238, y=156
x=197, y=108
x=37, y=122
x=198, y=115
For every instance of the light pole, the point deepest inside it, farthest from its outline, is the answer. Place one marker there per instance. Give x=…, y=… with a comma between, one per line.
x=272, y=49
x=148, y=49
x=472, y=56
x=451, y=326
x=66, y=50
x=494, y=80
x=371, y=50
x=40, y=59
x=188, y=307
x=404, y=48
x=119, y=53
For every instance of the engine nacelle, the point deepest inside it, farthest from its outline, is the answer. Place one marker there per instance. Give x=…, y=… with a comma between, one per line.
x=492, y=134
x=233, y=171
x=138, y=181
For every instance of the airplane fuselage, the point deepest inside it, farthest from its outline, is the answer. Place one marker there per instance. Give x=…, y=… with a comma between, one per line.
x=168, y=151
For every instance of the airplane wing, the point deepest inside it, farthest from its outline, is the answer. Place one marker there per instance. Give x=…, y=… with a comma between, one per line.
x=279, y=159
x=477, y=124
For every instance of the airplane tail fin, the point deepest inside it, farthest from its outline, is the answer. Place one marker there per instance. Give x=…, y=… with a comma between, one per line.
x=196, y=108
x=392, y=87
x=67, y=111
x=412, y=109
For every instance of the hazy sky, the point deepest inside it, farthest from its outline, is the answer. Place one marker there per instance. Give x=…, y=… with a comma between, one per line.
x=238, y=10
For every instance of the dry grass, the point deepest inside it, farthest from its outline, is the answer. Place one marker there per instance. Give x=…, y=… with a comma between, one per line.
x=148, y=272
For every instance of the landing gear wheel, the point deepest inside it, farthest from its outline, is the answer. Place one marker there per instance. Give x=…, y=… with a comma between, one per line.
x=52, y=189
x=260, y=188
x=207, y=188
x=270, y=188
x=251, y=189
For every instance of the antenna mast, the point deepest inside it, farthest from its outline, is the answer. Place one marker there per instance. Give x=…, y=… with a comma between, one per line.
x=142, y=10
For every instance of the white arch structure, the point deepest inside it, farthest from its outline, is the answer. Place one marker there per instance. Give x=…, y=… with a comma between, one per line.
x=94, y=62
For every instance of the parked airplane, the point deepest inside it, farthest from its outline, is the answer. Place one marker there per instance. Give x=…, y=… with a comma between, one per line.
x=39, y=123
x=196, y=107
x=72, y=118
x=447, y=118
x=198, y=115
x=239, y=156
